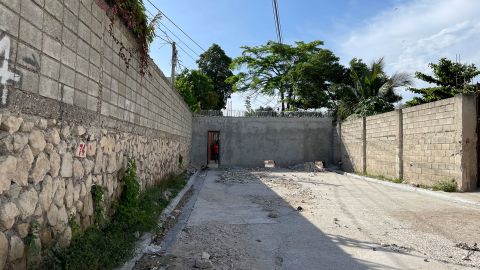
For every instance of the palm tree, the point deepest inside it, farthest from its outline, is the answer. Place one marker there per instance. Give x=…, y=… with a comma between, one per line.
x=370, y=91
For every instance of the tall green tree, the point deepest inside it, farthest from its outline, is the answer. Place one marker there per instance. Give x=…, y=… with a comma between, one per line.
x=370, y=90
x=266, y=69
x=313, y=79
x=216, y=65
x=197, y=90
x=449, y=78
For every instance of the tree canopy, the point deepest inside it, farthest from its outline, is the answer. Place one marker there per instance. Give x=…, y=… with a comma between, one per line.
x=197, y=90
x=215, y=64
x=370, y=90
x=449, y=78
x=267, y=69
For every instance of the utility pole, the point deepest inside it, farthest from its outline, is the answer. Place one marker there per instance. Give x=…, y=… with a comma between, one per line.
x=174, y=63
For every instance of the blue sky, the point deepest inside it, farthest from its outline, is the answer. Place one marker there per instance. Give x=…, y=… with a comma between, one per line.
x=408, y=33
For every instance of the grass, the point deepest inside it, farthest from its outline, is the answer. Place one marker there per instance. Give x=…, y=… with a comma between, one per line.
x=447, y=186
x=383, y=178
x=111, y=243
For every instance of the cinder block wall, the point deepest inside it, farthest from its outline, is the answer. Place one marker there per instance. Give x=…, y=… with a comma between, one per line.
x=422, y=145
x=351, y=145
x=382, y=144
x=65, y=86
x=430, y=147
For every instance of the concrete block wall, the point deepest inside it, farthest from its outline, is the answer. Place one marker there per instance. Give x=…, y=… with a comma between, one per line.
x=351, y=145
x=430, y=149
x=382, y=144
x=71, y=114
x=422, y=145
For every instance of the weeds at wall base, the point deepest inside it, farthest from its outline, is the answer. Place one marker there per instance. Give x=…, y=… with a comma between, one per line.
x=446, y=186
x=110, y=243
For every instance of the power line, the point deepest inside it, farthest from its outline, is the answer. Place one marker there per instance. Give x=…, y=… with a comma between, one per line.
x=170, y=40
x=179, y=39
x=165, y=15
x=278, y=25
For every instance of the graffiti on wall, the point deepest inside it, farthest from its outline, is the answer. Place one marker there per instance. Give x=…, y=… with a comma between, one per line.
x=7, y=77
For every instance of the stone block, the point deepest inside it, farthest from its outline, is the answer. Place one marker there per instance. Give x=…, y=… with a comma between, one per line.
x=49, y=88
x=52, y=26
x=68, y=94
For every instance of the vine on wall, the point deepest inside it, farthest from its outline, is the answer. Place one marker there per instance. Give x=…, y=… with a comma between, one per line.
x=133, y=14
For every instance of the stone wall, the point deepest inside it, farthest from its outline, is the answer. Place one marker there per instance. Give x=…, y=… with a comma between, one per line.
x=422, y=145
x=72, y=112
x=249, y=141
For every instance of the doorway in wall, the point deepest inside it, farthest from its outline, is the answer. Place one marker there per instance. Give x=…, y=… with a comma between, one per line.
x=213, y=149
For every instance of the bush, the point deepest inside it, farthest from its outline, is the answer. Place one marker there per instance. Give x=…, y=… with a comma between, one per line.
x=447, y=186
x=109, y=244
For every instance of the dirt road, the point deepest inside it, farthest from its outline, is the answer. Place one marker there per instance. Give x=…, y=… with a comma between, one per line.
x=281, y=219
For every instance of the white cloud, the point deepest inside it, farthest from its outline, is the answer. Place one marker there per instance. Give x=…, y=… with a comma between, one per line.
x=416, y=33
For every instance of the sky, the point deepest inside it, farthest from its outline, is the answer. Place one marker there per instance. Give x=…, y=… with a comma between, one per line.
x=409, y=34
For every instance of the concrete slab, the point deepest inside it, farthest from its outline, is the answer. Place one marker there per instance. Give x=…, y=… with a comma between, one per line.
x=346, y=223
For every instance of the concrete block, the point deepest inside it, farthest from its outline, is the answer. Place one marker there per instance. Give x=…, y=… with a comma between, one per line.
x=94, y=73
x=28, y=57
x=84, y=32
x=70, y=20
x=83, y=49
x=10, y=21
x=49, y=88
x=30, y=80
x=52, y=47
x=52, y=26
x=68, y=58
x=85, y=15
x=50, y=67
x=32, y=12
x=69, y=39
x=72, y=5
x=80, y=99
x=30, y=34
x=67, y=75
x=11, y=4
x=92, y=103
x=93, y=88
x=81, y=82
x=82, y=65
x=68, y=94
x=55, y=8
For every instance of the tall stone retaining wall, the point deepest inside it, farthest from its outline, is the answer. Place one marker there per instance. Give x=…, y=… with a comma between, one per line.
x=71, y=113
x=422, y=145
x=249, y=141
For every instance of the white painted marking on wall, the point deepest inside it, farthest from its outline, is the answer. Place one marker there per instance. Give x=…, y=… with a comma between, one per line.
x=6, y=76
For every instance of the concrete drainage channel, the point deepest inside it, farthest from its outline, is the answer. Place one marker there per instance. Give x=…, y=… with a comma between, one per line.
x=145, y=244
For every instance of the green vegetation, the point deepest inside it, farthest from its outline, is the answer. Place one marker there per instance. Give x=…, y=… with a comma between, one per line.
x=449, y=78
x=197, y=90
x=110, y=243
x=447, y=186
x=133, y=14
x=383, y=178
x=215, y=64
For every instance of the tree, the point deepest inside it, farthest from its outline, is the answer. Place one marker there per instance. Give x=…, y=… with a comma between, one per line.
x=370, y=90
x=197, y=90
x=450, y=79
x=266, y=69
x=314, y=78
x=216, y=64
